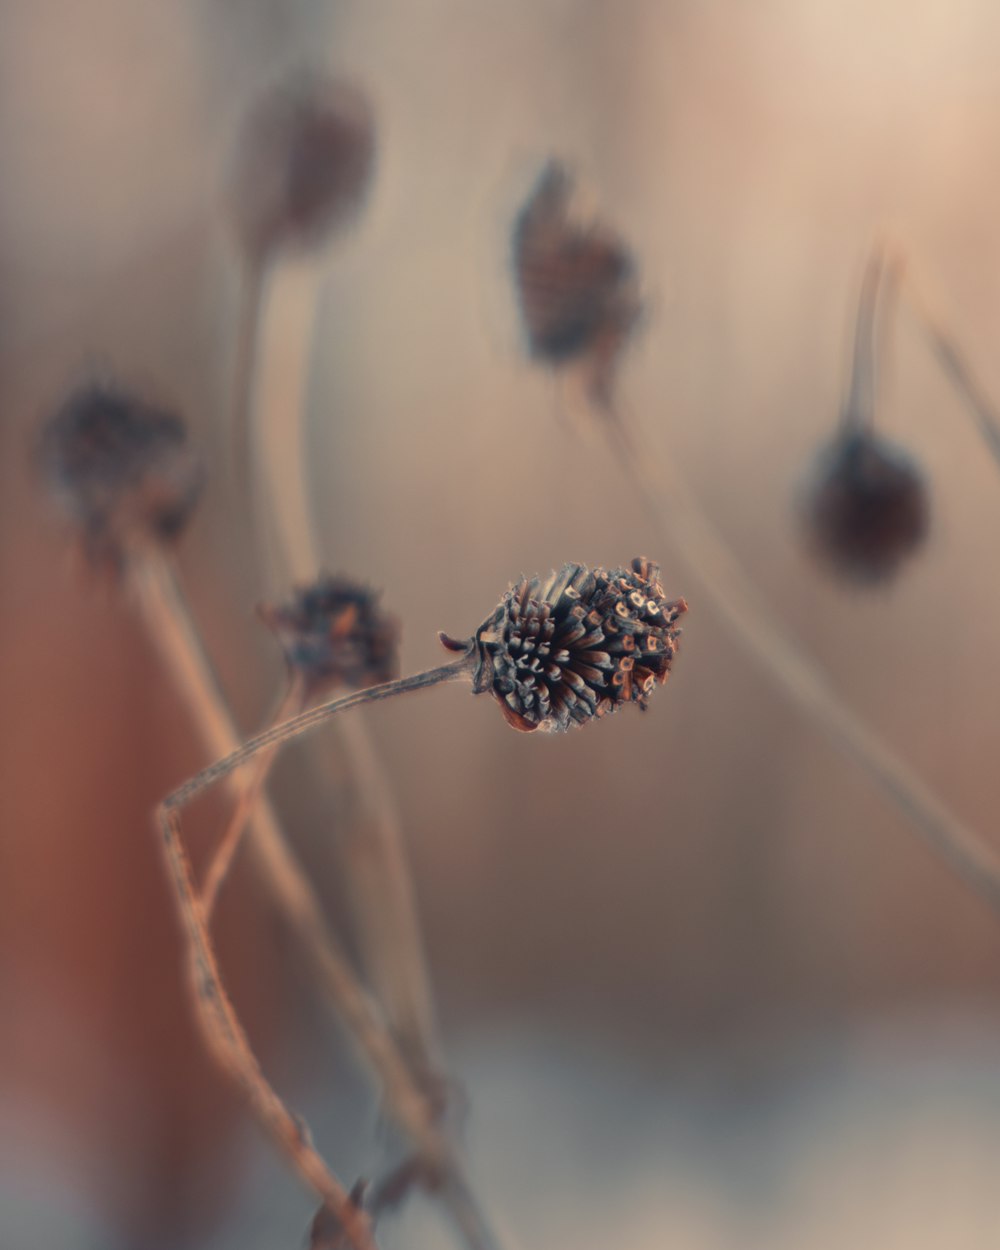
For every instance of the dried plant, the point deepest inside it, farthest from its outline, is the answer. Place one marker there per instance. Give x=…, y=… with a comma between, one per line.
x=302, y=166
x=301, y=171
x=576, y=285
x=611, y=598
x=122, y=469
x=701, y=552
x=867, y=509
x=112, y=487
x=582, y=646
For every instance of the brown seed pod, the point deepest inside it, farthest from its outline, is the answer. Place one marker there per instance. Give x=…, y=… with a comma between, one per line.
x=577, y=646
x=577, y=285
x=303, y=165
x=121, y=468
x=334, y=634
x=868, y=508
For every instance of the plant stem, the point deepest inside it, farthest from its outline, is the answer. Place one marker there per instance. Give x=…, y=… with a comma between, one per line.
x=171, y=626
x=218, y=867
x=298, y=725
x=709, y=563
x=380, y=889
x=859, y=405
x=959, y=372
x=240, y=432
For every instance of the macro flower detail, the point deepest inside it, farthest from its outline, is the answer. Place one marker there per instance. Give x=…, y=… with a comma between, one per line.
x=868, y=509
x=577, y=285
x=334, y=633
x=575, y=647
x=122, y=469
x=303, y=165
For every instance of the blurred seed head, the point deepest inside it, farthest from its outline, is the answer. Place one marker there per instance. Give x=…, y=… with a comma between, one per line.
x=335, y=634
x=303, y=165
x=577, y=285
x=121, y=468
x=576, y=646
x=868, y=508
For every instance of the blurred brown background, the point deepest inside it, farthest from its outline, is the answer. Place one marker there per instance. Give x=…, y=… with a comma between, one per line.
x=690, y=958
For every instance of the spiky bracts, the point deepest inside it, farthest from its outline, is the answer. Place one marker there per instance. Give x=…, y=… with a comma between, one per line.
x=123, y=469
x=334, y=633
x=582, y=644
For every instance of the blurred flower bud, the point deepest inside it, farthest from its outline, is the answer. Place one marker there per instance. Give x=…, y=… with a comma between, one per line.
x=867, y=508
x=123, y=470
x=577, y=285
x=577, y=646
x=303, y=165
x=334, y=634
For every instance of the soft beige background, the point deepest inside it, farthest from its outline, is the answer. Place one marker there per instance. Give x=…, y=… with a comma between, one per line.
x=706, y=890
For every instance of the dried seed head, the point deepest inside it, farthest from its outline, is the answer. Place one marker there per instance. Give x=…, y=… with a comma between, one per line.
x=303, y=165
x=561, y=652
x=334, y=633
x=868, y=508
x=577, y=285
x=123, y=470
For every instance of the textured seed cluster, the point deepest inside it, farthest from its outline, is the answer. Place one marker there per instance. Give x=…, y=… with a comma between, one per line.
x=123, y=469
x=335, y=634
x=303, y=165
x=576, y=284
x=582, y=644
x=868, y=510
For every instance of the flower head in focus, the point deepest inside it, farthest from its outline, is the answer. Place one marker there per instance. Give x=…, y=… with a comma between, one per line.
x=576, y=646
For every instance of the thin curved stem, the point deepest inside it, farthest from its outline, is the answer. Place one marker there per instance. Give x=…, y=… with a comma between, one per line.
x=709, y=563
x=859, y=403
x=240, y=431
x=958, y=371
x=305, y=721
x=290, y=703
x=229, y=1044
x=172, y=628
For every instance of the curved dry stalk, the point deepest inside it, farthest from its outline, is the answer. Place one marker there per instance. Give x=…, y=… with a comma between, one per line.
x=454, y=670
x=383, y=904
x=708, y=562
x=958, y=371
x=859, y=402
x=222, y=858
x=251, y=301
x=160, y=601
x=170, y=624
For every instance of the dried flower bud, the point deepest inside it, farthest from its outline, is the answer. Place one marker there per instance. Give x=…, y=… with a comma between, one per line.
x=123, y=470
x=334, y=633
x=868, y=507
x=582, y=644
x=303, y=165
x=576, y=285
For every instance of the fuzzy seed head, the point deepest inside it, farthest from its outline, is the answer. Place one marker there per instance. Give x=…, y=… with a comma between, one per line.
x=335, y=634
x=303, y=165
x=868, y=510
x=122, y=469
x=578, y=645
x=576, y=285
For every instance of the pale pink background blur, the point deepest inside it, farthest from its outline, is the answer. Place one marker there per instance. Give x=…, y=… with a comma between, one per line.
x=703, y=987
